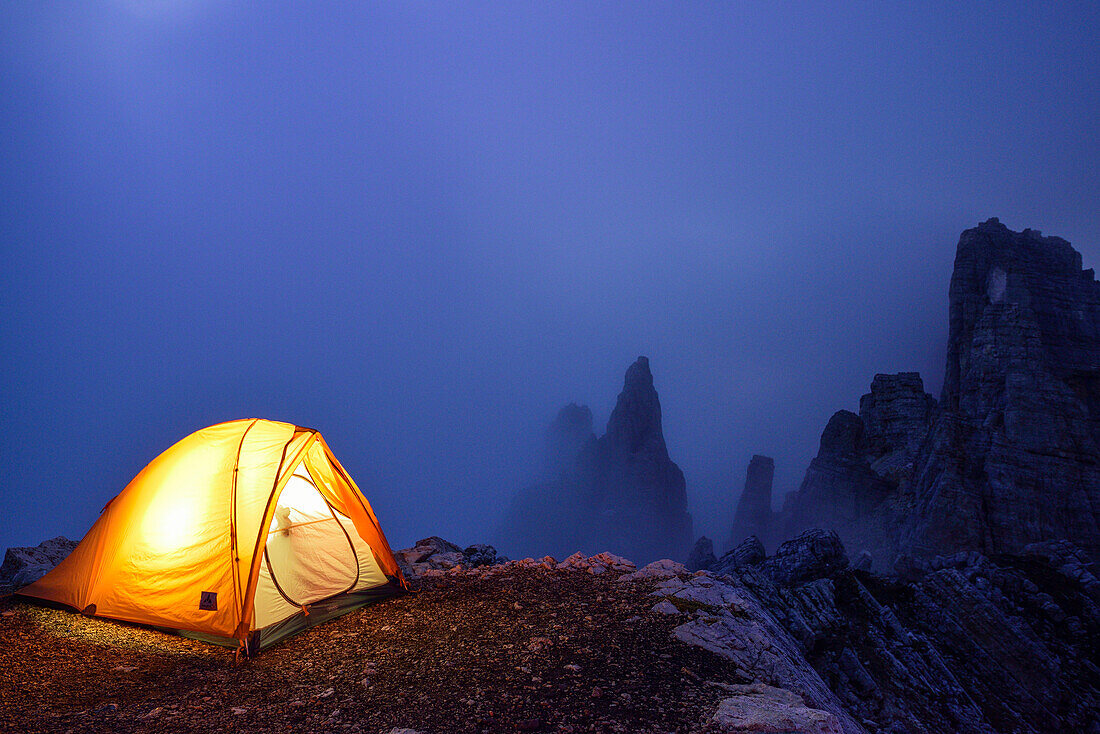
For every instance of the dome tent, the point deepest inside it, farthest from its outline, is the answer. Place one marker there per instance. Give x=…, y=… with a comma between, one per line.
x=242, y=533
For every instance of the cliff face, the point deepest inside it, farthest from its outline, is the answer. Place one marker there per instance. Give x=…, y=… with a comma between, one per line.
x=1009, y=456
x=620, y=492
x=1020, y=283
x=1015, y=459
x=896, y=416
x=861, y=481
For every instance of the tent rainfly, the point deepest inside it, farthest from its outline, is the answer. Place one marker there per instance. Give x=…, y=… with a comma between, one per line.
x=241, y=534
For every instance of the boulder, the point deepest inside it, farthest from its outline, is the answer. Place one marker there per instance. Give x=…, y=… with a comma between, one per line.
x=661, y=569
x=613, y=562
x=762, y=708
x=446, y=560
x=25, y=565
x=597, y=564
x=814, y=554
x=702, y=555
x=748, y=552
x=435, y=544
x=479, y=554
x=578, y=561
x=434, y=554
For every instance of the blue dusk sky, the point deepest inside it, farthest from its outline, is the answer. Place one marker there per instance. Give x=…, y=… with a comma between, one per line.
x=421, y=228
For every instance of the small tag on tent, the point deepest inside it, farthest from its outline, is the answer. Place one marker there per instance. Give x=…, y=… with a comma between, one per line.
x=208, y=600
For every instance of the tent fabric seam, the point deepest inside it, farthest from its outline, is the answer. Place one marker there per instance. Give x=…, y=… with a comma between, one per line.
x=235, y=560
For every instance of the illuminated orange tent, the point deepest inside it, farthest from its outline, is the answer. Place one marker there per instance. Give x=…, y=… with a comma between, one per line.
x=242, y=533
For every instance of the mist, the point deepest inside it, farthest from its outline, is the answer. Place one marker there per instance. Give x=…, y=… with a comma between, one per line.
x=422, y=230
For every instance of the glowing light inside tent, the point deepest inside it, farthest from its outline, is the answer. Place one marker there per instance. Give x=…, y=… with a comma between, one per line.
x=299, y=504
x=169, y=526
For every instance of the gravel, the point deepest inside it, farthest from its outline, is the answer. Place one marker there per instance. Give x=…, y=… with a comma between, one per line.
x=528, y=650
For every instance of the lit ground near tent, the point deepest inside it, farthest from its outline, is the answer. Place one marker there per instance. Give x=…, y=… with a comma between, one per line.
x=528, y=650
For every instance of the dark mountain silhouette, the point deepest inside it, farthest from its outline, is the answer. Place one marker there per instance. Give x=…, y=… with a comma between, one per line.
x=621, y=492
x=1009, y=455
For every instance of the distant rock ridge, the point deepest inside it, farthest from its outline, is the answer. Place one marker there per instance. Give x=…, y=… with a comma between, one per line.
x=634, y=471
x=567, y=436
x=860, y=482
x=754, y=514
x=1009, y=456
x=621, y=491
x=896, y=415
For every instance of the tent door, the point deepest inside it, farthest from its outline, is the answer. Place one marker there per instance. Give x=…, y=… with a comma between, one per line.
x=309, y=554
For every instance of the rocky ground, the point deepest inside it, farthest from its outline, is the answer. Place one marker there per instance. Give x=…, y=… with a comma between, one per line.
x=795, y=642
x=517, y=647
